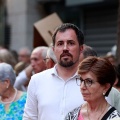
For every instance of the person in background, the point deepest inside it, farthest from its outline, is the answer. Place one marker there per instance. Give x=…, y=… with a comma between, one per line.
x=7, y=57
x=23, y=58
x=50, y=59
x=37, y=59
x=12, y=101
x=111, y=55
x=96, y=78
x=24, y=55
x=15, y=55
x=117, y=81
x=37, y=65
x=111, y=58
x=19, y=67
x=87, y=51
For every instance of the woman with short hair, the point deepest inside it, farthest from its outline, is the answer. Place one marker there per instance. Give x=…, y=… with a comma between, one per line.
x=96, y=78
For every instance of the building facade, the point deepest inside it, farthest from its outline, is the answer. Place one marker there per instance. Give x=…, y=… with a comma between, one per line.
x=96, y=18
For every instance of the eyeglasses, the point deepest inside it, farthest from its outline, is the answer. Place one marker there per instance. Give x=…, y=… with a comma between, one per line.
x=87, y=82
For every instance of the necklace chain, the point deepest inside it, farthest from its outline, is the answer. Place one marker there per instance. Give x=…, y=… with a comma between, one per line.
x=99, y=115
x=12, y=99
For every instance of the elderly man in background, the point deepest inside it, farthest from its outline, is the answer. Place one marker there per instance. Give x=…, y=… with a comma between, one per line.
x=37, y=65
x=23, y=58
x=24, y=55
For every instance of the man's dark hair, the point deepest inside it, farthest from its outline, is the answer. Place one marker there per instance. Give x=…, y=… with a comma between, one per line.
x=88, y=51
x=67, y=26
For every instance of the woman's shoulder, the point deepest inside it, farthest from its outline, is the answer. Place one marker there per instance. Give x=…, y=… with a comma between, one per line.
x=113, y=114
x=21, y=95
x=73, y=115
x=76, y=110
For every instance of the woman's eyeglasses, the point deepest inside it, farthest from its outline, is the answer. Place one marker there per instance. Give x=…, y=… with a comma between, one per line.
x=87, y=82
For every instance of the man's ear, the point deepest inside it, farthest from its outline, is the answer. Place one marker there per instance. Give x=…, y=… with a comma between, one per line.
x=81, y=48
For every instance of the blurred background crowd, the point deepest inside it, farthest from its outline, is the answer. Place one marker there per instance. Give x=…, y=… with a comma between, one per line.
x=24, y=28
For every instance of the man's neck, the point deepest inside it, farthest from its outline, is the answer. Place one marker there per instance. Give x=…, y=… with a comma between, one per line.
x=66, y=72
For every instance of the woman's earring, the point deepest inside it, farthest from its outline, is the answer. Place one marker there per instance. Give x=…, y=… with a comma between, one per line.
x=103, y=94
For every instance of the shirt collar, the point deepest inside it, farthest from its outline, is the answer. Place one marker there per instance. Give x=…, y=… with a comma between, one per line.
x=54, y=72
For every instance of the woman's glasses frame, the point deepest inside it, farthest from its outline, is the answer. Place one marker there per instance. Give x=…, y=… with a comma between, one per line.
x=87, y=82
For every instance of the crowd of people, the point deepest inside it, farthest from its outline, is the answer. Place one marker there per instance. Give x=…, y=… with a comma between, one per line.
x=64, y=81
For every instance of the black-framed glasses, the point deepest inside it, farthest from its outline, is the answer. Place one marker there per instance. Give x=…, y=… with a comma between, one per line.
x=87, y=82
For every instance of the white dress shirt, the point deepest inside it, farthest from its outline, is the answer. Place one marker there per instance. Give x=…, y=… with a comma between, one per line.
x=50, y=97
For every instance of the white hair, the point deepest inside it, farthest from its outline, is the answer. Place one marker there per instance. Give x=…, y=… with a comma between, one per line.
x=41, y=49
x=51, y=54
x=7, y=72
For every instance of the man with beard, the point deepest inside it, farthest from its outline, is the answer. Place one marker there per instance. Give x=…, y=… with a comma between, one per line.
x=54, y=92
x=37, y=65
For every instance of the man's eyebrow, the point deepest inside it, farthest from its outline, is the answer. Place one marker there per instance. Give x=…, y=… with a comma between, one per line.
x=33, y=58
x=60, y=41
